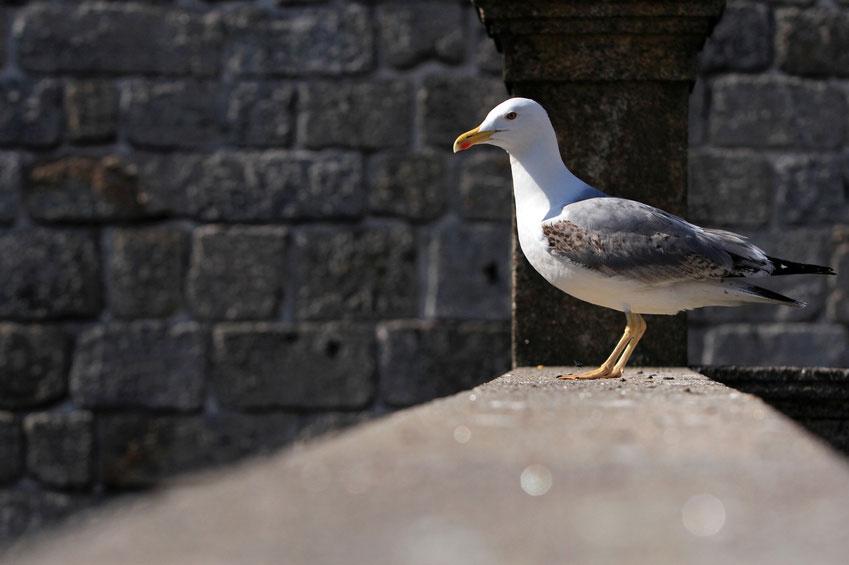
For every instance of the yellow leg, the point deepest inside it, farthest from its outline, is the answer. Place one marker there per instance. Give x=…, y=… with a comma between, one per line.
x=614, y=365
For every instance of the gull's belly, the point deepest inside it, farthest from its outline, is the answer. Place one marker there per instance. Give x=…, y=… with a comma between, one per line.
x=611, y=292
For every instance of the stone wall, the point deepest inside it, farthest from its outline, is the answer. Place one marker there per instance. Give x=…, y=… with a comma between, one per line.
x=769, y=158
x=227, y=225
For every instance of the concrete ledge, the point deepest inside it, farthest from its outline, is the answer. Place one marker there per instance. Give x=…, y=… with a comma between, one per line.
x=664, y=466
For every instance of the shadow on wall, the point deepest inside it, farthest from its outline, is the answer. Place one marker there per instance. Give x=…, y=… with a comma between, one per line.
x=816, y=398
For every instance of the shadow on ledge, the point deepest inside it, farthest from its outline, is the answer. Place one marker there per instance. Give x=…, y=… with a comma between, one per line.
x=815, y=397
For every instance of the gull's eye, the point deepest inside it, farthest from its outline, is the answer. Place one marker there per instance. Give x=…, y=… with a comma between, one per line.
x=511, y=116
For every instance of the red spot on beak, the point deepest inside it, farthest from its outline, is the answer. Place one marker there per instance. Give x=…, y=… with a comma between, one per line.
x=465, y=145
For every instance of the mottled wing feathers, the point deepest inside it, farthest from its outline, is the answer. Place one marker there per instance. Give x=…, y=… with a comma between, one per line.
x=623, y=238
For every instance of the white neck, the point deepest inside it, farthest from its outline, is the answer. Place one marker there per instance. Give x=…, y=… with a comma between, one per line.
x=542, y=184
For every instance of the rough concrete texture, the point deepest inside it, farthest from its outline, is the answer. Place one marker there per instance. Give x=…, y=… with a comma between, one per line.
x=664, y=466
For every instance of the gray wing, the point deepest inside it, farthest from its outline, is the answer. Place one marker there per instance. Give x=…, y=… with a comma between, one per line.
x=623, y=238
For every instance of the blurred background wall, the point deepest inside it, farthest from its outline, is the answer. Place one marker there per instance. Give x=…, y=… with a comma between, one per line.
x=228, y=225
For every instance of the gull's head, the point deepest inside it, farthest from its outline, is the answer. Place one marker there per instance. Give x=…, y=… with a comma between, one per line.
x=512, y=125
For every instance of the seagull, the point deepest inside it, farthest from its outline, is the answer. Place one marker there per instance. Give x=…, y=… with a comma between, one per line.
x=614, y=252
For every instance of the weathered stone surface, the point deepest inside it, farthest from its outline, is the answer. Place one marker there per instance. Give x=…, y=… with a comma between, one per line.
x=48, y=274
x=33, y=362
x=265, y=186
x=140, y=364
x=356, y=273
x=91, y=110
x=776, y=112
x=367, y=115
x=412, y=33
x=697, y=119
x=141, y=449
x=10, y=186
x=730, y=188
x=322, y=40
x=173, y=114
x=410, y=185
x=838, y=301
x=697, y=465
x=420, y=361
x=117, y=38
x=451, y=105
x=813, y=42
x=741, y=41
x=801, y=345
x=236, y=273
x=485, y=185
x=472, y=265
x=30, y=112
x=315, y=425
x=803, y=245
x=26, y=511
x=486, y=56
x=146, y=267
x=811, y=190
x=79, y=189
x=303, y=365
x=12, y=448
x=60, y=447
x=801, y=393
x=260, y=114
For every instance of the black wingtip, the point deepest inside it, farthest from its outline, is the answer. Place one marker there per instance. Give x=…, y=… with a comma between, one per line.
x=782, y=267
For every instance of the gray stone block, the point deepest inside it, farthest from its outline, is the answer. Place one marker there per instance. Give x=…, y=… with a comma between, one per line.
x=412, y=33
x=141, y=449
x=410, y=185
x=146, y=267
x=117, y=38
x=420, y=361
x=811, y=190
x=797, y=345
x=265, y=186
x=12, y=448
x=451, y=105
x=33, y=361
x=366, y=115
x=81, y=189
x=10, y=186
x=260, y=114
x=472, y=266
x=838, y=301
x=236, y=273
x=813, y=42
x=48, y=274
x=140, y=364
x=298, y=366
x=60, y=448
x=91, y=110
x=776, y=112
x=321, y=40
x=730, y=188
x=26, y=511
x=30, y=112
x=804, y=245
x=697, y=118
x=741, y=40
x=173, y=114
x=362, y=273
x=486, y=56
x=485, y=184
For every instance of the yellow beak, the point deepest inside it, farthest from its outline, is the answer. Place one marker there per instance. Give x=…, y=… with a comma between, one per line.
x=472, y=137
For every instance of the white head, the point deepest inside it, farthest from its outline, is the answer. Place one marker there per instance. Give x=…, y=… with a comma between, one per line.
x=514, y=125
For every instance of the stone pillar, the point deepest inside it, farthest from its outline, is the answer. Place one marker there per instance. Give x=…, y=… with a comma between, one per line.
x=615, y=77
